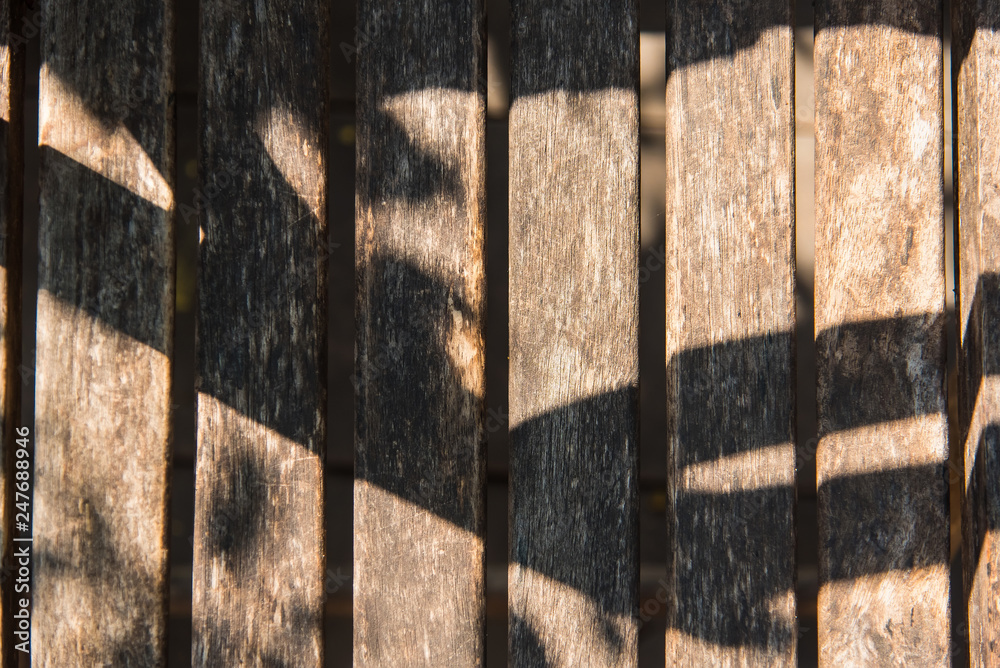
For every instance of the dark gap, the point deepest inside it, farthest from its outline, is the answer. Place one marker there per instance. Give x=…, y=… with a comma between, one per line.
x=339, y=478
x=496, y=421
x=954, y=52
x=806, y=435
x=29, y=289
x=653, y=591
x=186, y=53
x=497, y=412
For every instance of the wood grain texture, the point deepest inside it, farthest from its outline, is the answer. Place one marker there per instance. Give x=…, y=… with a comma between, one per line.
x=730, y=315
x=881, y=461
x=573, y=574
x=419, y=588
x=104, y=334
x=976, y=62
x=261, y=339
x=11, y=180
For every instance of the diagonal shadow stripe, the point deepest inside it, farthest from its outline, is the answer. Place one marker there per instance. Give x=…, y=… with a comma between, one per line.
x=394, y=167
x=720, y=29
x=876, y=383
x=261, y=334
x=556, y=551
x=260, y=307
x=129, y=48
x=728, y=401
x=599, y=512
x=83, y=266
x=446, y=502
x=980, y=343
x=116, y=295
x=981, y=514
x=968, y=17
x=892, y=510
x=271, y=378
x=979, y=359
x=603, y=68
x=752, y=414
x=420, y=455
x=433, y=60
x=722, y=591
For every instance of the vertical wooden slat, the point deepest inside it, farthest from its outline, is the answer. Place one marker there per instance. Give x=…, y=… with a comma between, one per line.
x=730, y=314
x=11, y=164
x=104, y=333
x=258, y=554
x=883, y=508
x=976, y=64
x=418, y=495
x=573, y=573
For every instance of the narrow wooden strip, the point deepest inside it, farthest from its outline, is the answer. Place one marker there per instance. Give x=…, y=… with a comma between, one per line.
x=976, y=64
x=11, y=179
x=572, y=585
x=104, y=333
x=259, y=540
x=730, y=315
x=419, y=587
x=883, y=498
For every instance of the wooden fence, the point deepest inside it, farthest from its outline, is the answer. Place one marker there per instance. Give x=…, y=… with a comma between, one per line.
x=89, y=578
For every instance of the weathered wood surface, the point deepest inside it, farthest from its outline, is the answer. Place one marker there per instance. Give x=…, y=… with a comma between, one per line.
x=11, y=165
x=883, y=498
x=573, y=574
x=259, y=538
x=730, y=308
x=419, y=569
x=976, y=63
x=104, y=334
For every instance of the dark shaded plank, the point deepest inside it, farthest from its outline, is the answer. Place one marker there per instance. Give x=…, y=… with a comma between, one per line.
x=11, y=179
x=573, y=574
x=975, y=64
x=419, y=588
x=258, y=552
x=730, y=314
x=883, y=450
x=104, y=334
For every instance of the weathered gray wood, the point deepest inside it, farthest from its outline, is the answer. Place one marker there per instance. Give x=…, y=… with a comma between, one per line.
x=104, y=334
x=258, y=552
x=419, y=571
x=730, y=315
x=976, y=64
x=573, y=574
x=11, y=178
x=883, y=498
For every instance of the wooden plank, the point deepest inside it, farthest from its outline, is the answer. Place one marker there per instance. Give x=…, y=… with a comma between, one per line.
x=11, y=179
x=975, y=62
x=730, y=315
x=104, y=334
x=419, y=587
x=259, y=538
x=883, y=450
x=573, y=574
